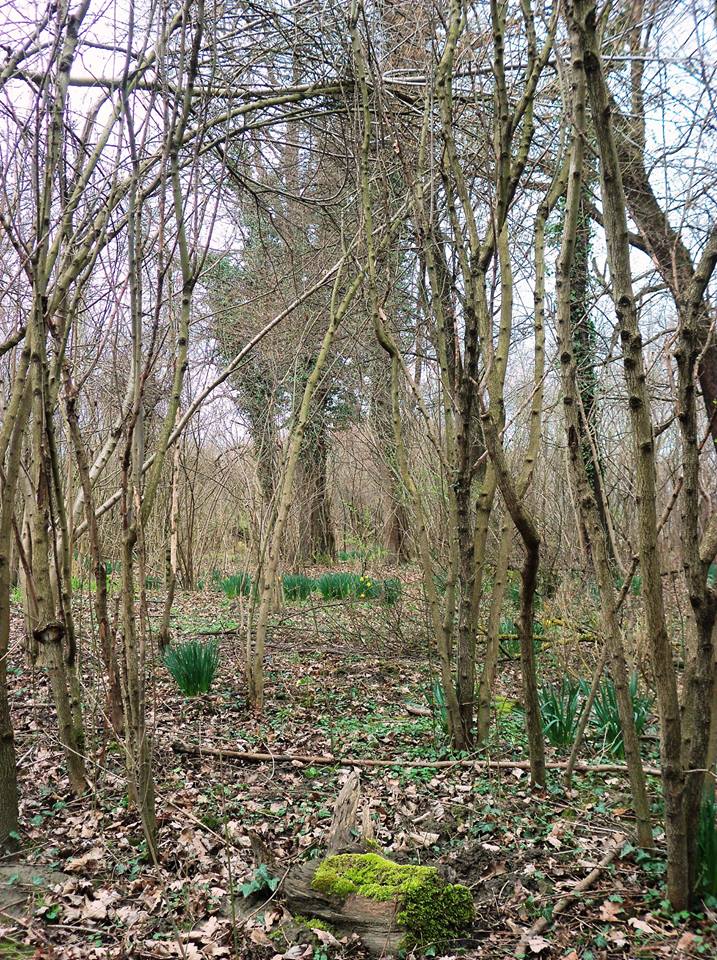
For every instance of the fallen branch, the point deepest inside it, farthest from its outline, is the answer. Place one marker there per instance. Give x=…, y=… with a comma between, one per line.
x=324, y=760
x=542, y=922
x=414, y=711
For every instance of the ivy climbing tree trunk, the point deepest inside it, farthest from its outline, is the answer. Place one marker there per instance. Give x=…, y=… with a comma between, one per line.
x=316, y=539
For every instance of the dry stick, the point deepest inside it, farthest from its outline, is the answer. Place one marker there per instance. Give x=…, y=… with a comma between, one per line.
x=323, y=760
x=542, y=922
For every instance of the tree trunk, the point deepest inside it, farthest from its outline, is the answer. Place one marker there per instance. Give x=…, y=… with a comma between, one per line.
x=525, y=525
x=12, y=432
x=106, y=639
x=396, y=529
x=582, y=21
x=492, y=647
x=48, y=630
x=163, y=636
x=584, y=469
x=316, y=539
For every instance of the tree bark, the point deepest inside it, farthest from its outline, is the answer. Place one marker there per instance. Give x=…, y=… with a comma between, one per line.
x=582, y=20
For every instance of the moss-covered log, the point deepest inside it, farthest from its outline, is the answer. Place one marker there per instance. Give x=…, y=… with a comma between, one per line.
x=388, y=905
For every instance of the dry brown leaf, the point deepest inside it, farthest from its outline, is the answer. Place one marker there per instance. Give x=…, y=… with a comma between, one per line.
x=91, y=858
x=538, y=944
x=609, y=912
x=325, y=937
x=94, y=910
x=257, y=935
x=686, y=942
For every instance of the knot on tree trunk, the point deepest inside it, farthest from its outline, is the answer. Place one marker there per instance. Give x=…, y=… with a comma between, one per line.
x=51, y=632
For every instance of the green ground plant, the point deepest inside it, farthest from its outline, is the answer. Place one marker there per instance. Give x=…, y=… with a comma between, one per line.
x=707, y=843
x=635, y=584
x=440, y=581
x=512, y=591
x=349, y=556
x=193, y=665
x=337, y=586
x=606, y=718
x=296, y=586
x=560, y=710
x=261, y=881
x=368, y=589
x=359, y=553
x=391, y=592
x=439, y=707
x=510, y=641
x=236, y=585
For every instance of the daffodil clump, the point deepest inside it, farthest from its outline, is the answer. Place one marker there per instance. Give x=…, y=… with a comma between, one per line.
x=368, y=589
x=342, y=586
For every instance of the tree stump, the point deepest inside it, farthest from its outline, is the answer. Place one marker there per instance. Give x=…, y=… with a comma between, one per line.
x=374, y=922
x=388, y=905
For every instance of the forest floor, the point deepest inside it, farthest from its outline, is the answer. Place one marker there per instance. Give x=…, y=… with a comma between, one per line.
x=340, y=677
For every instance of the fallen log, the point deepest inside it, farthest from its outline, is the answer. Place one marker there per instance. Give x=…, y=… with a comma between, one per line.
x=390, y=906
x=248, y=756
x=371, y=920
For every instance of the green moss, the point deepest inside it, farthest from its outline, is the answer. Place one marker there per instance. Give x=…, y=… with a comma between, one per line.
x=313, y=923
x=429, y=910
x=13, y=950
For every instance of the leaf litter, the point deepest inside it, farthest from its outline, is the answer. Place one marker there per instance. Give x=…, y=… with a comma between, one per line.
x=519, y=851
